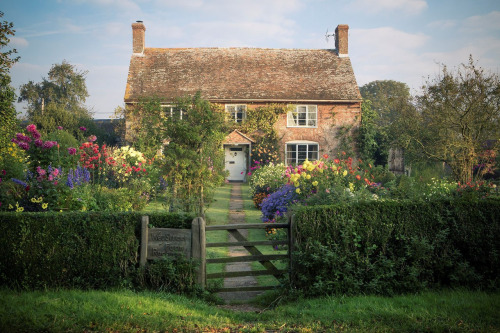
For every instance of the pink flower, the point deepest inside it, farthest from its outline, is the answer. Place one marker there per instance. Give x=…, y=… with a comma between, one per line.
x=72, y=151
x=38, y=143
x=55, y=172
x=41, y=171
x=31, y=128
x=92, y=138
x=51, y=178
x=83, y=129
x=59, y=127
x=55, y=183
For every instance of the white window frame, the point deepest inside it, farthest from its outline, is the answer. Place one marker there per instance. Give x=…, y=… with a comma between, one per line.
x=309, y=116
x=310, y=154
x=169, y=111
x=233, y=115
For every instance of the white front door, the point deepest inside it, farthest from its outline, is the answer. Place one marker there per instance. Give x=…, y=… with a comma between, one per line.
x=236, y=162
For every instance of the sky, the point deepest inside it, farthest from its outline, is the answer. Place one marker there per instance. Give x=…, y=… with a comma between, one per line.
x=403, y=40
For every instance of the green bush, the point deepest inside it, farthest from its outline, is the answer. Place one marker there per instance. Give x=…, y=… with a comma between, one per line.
x=396, y=247
x=95, y=250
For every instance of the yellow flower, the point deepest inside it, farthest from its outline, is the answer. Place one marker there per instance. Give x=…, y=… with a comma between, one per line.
x=44, y=205
x=298, y=191
x=33, y=200
x=315, y=183
x=303, y=175
x=345, y=173
x=10, y=206
x=19, y=209
x=296, y=184
x=308, y=177
x=310, y=167
x=351, y=187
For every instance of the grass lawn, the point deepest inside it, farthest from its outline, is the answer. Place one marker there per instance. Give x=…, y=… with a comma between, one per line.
x=127, y=311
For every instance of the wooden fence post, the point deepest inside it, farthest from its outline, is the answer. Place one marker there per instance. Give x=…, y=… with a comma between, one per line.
x=198, y=248
x=291, y=242
x=144, y=241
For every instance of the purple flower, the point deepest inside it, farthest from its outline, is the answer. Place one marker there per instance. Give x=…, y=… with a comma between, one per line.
x=23, y=138
x=20, y=182
x=24, y=145
x=35, y=135
x=38, y=143
x=72, y=151
x=83, y=129
x=60, y=127
x=49, y=144
x=15, y=141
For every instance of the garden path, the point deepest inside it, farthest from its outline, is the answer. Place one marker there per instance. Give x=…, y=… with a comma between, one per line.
x=237, y=216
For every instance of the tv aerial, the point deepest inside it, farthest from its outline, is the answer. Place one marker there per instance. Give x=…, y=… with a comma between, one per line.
x=327, y=35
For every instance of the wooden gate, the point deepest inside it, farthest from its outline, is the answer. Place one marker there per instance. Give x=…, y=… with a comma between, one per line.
x=254, y=254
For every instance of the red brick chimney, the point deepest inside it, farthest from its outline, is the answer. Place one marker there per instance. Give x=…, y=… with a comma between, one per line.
x=341, y=40
x=138, y=33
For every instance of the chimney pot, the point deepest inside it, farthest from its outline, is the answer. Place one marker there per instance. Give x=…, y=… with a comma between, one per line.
x=341, y=40
x=138, y=37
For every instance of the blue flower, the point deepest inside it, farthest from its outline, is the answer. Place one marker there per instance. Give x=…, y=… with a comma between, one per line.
x=20, y=182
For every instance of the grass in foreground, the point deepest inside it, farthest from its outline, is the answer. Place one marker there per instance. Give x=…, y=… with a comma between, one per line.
x=127, y=311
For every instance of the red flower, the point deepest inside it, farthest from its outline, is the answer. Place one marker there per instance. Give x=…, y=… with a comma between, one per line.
x=358, y=177
x=325, y=156
x=337, y=161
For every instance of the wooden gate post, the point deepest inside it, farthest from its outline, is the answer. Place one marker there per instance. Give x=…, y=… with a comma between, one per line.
x=198, y=245
x=144, y=241
x=291, y=242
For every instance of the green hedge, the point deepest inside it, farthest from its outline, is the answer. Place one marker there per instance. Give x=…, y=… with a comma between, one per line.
x=397, y=247
x=74, y=249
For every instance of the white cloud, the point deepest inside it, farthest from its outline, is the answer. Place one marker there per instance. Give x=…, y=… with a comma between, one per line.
x=18, y=42
x=377, y=6
x=387, y=53
x=121, y=5
x=488, y=22
x=189, y=4
x=226, y=34
x=443, y=24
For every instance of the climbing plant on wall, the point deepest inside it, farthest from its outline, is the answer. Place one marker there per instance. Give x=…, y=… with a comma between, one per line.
x=260, y=124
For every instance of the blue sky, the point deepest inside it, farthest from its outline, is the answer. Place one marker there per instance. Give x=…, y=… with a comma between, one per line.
x=403, y=40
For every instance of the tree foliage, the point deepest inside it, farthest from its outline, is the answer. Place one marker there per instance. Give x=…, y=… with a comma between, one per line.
x=384, y=103
x=8, y=113
x=58, y=100
x=458, y=113
x=190, y=135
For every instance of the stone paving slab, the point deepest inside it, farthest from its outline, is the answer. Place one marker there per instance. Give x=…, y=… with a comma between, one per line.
x=237, y=216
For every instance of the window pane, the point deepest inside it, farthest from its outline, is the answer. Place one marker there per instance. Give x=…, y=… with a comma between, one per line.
x=292, y=116
x=313, y=152
x=291, y=154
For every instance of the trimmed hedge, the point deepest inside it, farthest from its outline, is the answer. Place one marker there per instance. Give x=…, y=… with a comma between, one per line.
x=75, y=249
x=397, y=247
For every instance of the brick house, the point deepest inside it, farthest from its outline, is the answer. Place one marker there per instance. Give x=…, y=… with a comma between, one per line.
x=319, y=84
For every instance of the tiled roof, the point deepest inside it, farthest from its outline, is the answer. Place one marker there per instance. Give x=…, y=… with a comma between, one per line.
x=242, y=74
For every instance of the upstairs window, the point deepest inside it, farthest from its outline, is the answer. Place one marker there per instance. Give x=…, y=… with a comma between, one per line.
x=171, y=111
x=298, y=152
x=237, y=112
x=303, y=116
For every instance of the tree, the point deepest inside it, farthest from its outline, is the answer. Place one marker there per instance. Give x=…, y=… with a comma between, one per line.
x=58, y=100
x=383, y=104
x=8, y=120
x=190, y=134
x=458, y=113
